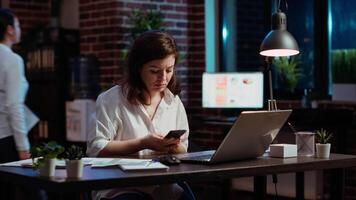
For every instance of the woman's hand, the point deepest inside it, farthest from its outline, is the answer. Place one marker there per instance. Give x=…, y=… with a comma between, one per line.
x=158, y=143
x=23, y=155
x=177, y=149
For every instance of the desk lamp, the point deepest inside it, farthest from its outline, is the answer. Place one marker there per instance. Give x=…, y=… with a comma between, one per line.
x=278, y=42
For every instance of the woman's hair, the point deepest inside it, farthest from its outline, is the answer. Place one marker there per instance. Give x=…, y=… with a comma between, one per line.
x=7, y=17
x=148, y=46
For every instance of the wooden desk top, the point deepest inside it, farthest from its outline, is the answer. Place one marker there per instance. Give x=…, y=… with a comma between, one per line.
x=111, y=177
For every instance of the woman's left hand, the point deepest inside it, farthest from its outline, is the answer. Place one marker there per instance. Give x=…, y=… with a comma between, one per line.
x=179, y=148
x=156, y=142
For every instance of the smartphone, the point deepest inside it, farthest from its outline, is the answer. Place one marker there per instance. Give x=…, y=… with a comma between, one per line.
x=175, y=134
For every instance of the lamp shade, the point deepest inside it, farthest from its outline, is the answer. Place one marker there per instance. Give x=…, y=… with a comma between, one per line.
x=279, y=42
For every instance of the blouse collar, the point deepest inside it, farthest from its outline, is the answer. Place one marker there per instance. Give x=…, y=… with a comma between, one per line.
x=5, y=47
x=168, y=96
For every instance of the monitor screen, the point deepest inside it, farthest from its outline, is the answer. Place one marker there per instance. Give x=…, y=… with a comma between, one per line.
x=233, y=90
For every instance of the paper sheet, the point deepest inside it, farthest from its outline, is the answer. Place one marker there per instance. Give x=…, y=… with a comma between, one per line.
x=28, y=163
x=31, y=119
x=123, y=163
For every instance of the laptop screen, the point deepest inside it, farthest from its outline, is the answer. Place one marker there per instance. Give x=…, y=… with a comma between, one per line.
x=233, y=90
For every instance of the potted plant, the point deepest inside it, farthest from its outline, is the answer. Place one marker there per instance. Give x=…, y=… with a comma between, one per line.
x=74, y=163
x=288, y=71
x=44, y=157
x=145, y=21
x=142, y=21
x=344, y=74
x=323, y=147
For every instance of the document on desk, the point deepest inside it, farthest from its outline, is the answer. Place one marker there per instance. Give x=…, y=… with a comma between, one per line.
x=128, y=164
x=28, y=163
x=20, y=163
x=125, y=164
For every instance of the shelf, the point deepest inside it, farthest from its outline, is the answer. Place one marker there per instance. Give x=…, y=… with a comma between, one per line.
x=47, y=73
x=41, y=76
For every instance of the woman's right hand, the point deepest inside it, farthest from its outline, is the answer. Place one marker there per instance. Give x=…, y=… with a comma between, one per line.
x=156, y=142
x=23, y=155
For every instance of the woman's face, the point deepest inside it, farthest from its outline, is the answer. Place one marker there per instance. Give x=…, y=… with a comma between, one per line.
x=15, y=31
x=156, y=74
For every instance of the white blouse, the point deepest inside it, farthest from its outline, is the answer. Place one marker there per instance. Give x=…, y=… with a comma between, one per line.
x=13, y=89
x=117, y=119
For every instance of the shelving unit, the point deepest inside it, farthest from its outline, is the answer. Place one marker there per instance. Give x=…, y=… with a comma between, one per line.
x=47, y=71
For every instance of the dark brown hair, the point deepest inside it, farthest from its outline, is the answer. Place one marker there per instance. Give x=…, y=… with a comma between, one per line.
x=7, y=18
x=150, y=45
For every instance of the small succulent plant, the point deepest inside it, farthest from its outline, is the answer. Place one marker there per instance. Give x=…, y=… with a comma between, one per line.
x=73, y=153
x=323, y=136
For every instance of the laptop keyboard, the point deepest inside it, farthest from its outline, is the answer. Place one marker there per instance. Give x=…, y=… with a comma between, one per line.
x=200, y=157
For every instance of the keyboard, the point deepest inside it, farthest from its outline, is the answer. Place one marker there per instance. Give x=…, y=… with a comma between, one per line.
x=203, y=156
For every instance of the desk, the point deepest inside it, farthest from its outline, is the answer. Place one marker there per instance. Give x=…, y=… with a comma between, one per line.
x=104, y=178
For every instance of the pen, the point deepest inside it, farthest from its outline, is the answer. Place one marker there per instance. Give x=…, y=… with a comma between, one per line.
x=291, y=127
x=150, y=162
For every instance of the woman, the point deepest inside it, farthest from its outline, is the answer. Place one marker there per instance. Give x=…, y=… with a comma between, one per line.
x=13, y=88
x=134, y=117
x=14, y=143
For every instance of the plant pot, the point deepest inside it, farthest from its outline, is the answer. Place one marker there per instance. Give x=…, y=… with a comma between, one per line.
x=74, y=168
x=48, y=168
x=323, y=150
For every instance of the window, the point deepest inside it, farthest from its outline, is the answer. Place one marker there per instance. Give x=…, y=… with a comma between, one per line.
x=241, y=25
x=343, y=43
x=300, y=23
x=234, y=30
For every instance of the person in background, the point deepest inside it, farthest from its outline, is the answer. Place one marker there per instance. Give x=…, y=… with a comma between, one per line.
x=134, y=116
x=14, y=143
x=13, y=88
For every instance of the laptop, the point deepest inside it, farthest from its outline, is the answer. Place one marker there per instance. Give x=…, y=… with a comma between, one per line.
x=249, y=137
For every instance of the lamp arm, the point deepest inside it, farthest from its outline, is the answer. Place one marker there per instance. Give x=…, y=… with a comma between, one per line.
x=268, y=68
x=272, y=103
x=270, y=83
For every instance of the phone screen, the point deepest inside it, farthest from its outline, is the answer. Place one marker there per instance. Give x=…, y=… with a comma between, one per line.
x=175, y=134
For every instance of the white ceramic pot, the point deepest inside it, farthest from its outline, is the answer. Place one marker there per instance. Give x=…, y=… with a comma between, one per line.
x=323, y=150
x=48, y=168
x=74, y=168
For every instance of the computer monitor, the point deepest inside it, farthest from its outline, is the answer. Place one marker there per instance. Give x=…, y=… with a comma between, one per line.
x=233, y=90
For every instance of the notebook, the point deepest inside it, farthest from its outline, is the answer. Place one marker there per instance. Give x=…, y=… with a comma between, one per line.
x=249, y=137
x=128, y=164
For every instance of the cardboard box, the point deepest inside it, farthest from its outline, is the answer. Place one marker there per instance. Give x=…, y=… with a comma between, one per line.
x=78, y=114
x=283, y=150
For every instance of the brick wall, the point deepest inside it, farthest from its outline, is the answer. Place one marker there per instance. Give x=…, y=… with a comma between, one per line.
x=252, y=27
x=105, y=26
x=31, y=13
